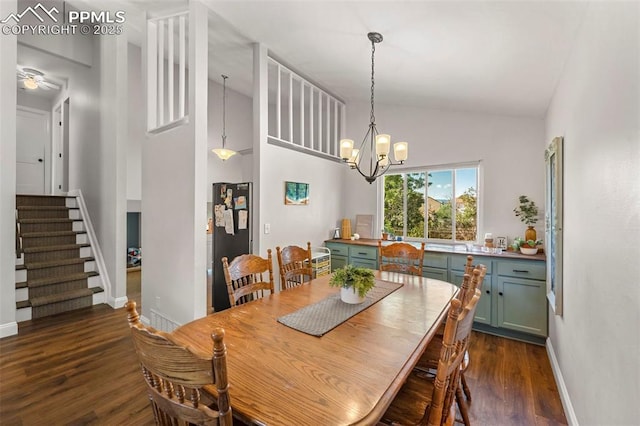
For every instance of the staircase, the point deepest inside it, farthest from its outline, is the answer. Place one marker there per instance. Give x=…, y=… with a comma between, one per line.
x=55, y=267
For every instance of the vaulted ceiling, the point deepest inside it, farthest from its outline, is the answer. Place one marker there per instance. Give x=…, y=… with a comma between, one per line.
x=488, y=56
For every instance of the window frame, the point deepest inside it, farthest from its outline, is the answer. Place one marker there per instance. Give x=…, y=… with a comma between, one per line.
x=428, y=169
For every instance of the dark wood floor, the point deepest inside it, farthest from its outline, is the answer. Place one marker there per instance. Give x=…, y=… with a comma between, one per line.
x=80, y=368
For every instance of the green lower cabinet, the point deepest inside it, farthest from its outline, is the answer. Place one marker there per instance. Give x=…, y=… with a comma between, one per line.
x=435, y=273
x=522, y=305
x=363, y=263
x=338, y=262
x=483, y=311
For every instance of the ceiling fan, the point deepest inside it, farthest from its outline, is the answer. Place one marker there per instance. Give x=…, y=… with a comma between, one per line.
x=33, y=79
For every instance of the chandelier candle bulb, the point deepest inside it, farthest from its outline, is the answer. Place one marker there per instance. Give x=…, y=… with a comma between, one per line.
x=383, y=143
x=346, y=148
x=401, y=151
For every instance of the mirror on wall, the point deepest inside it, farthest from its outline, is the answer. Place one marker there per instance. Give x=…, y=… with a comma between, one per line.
x=553, y=223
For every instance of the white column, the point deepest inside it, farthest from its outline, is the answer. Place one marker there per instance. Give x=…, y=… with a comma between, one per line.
x=8, y=47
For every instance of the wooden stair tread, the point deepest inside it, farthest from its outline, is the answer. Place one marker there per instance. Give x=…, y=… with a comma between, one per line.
x=55, y=248
x=50, y=234
x=45, y=208
x=44, y=196
x=58, y=262
x=54, y=280
x=48, y=220
x=60, y=297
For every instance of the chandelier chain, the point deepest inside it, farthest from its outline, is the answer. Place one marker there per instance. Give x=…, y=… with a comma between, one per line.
x=373, y=51
x=224, y=108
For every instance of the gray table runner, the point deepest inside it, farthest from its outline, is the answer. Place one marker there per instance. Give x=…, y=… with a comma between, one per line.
x=321, y=317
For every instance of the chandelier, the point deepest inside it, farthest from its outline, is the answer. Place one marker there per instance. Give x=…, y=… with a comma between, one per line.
x=224, y=153
x=374, y=149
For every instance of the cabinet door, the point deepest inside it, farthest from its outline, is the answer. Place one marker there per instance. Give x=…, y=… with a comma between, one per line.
x=522, y=305
x=435, y=273
x=338, y=262
x=483, y=311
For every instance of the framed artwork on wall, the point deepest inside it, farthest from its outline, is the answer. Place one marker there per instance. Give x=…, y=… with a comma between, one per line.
x=296, y=194
x=553, y=223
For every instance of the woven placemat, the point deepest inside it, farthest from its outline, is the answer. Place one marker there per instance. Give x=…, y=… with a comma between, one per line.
x=323, y=316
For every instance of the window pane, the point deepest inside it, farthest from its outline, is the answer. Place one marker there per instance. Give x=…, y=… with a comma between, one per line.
x=466, y=204
x=394, y=204
x=415, y=205
x=440, y=192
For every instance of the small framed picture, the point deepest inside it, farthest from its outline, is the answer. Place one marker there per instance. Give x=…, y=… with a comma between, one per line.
x=501, y=242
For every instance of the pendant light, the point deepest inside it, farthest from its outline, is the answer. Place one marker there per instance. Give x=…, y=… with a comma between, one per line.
x=224, y=153
x=374, y=149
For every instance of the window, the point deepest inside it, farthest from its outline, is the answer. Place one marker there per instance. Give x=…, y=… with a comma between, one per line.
x=432, y=204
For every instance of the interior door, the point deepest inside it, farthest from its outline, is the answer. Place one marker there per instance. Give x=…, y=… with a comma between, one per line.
x=32, y=135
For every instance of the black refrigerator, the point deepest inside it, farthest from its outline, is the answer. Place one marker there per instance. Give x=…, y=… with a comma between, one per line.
x=232, y=233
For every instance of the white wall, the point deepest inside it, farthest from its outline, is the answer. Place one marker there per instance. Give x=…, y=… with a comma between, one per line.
x=596, y=108
x=111, y=221
x=295, y=225
x=509, y=149
x=8, y=325
x=239, y=122
x=33, y=101
x=238, y=126
x=137, y=126
x=174, y=202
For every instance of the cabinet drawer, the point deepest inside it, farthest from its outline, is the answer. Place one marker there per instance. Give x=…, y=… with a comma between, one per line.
x=363, y=252
x=364, y=263
x=337, y=248
x=435, y=260
x=458, y=262
x=533, y=270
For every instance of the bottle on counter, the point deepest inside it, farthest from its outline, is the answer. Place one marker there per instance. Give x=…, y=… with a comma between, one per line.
x=488, y=240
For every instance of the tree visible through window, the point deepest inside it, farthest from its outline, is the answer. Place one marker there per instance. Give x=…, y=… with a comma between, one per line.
x=439, y=204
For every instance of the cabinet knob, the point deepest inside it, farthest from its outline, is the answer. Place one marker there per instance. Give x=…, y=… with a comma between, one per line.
x=488, y=291
x=500, y=293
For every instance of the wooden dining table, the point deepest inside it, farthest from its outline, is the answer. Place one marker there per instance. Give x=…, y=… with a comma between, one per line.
x=281, y=376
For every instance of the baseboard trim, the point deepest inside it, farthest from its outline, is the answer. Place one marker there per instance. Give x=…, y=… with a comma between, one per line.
x=570, y=414
x=8, y=329
x=117, y=302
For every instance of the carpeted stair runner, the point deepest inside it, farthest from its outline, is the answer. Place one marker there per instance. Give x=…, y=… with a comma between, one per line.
x=56, y=279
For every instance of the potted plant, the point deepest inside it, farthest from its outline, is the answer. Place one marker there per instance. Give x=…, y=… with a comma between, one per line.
x=527, y=211
x=354, y=283
x=526, y=246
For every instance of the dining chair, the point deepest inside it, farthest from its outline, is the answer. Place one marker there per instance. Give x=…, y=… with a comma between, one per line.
x=175, y=376
x=428, y=362
x=428, y=400
x=295, y=265
x=401, y=257
x=245, y=277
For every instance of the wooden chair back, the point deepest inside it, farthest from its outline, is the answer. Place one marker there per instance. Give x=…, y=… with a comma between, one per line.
x=175, y=375
x=295, y=265
x=470, y=282
x=455, y=342
x=401, y=257
x=245, y=277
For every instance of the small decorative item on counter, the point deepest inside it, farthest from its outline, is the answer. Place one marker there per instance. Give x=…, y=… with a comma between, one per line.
x=356, y=236
x=346, y=229
x=526, y=246
x=488, y=240
x=527, y=211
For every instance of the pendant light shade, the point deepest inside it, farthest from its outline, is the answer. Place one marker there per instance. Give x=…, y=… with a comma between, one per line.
x=224, y=153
